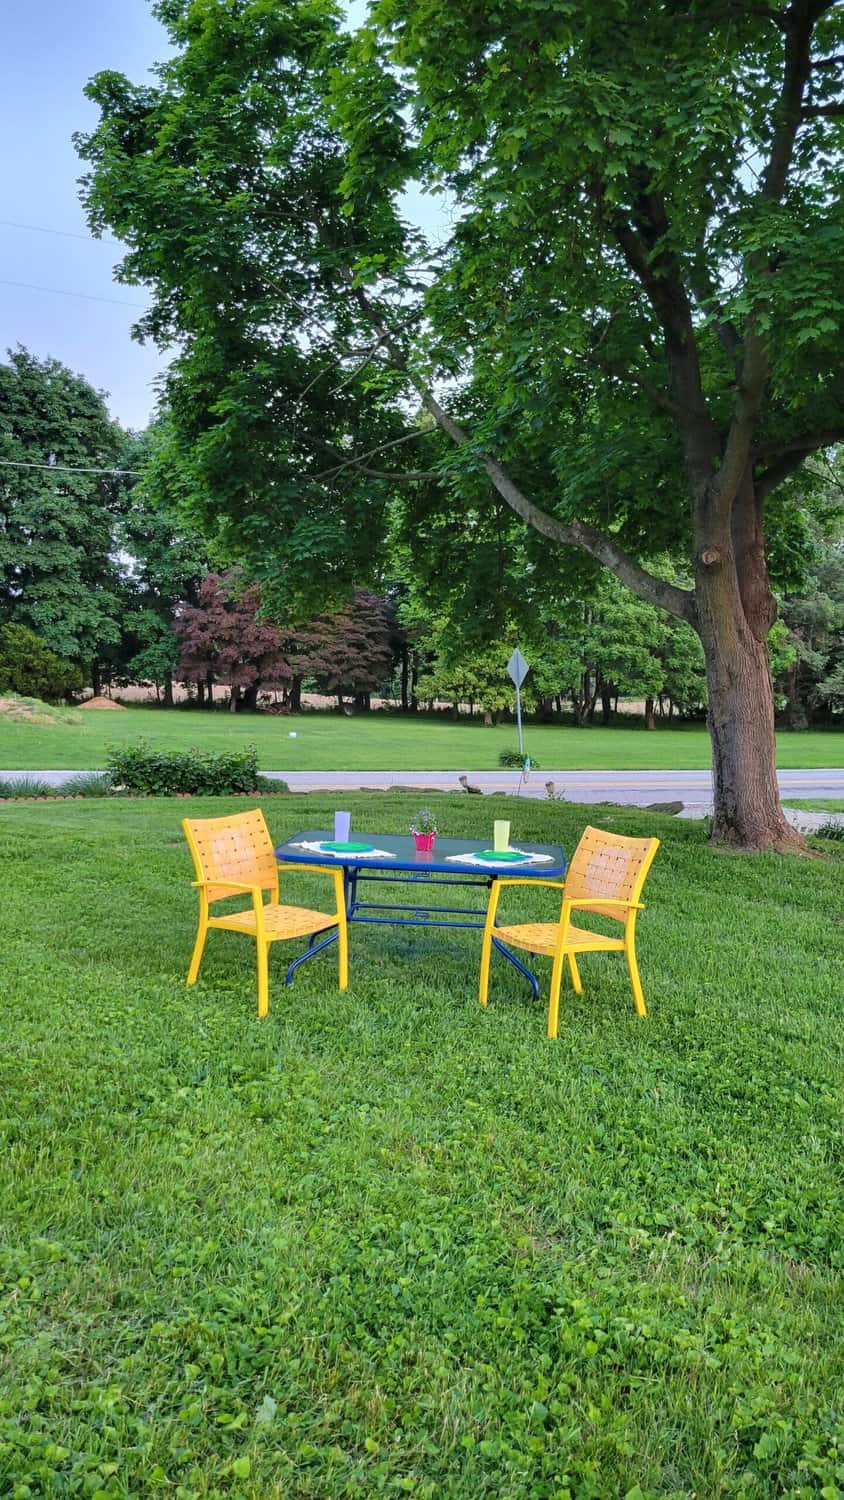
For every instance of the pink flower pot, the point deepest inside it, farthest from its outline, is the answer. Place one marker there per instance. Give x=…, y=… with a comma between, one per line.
x=424, y=842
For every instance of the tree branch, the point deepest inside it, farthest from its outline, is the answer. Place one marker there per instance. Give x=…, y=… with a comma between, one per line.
x=807, y=443
x=825, y=111
x=659, y=274
x=623, y=372
x=789, y=457
x=709, y=304
x=402, y=476
x=677, y=601
x=753, y=376
x=356, y=460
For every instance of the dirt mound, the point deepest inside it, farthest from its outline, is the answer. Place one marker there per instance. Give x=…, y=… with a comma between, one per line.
x=101, y=703
x=33, y=711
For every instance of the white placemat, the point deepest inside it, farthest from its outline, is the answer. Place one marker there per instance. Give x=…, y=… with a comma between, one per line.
x=313, y=846
x=530, y=858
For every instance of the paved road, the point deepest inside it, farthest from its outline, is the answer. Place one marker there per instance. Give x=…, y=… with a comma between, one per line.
x=635, y=787
x=638, y=788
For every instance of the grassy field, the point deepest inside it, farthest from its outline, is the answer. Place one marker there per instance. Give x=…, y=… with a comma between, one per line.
x=818, y=804
x=384, y=1243
x=328, y=742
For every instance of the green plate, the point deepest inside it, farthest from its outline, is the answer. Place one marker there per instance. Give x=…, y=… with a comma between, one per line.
x=336, y=848
x=509, y=856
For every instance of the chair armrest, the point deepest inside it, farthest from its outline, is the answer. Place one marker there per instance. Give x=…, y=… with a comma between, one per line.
x=554, y=885
x=326, y=869
x=584, y=902
x=233, y=885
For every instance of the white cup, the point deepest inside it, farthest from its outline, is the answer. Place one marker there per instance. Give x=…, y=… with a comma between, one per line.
x=342, y=827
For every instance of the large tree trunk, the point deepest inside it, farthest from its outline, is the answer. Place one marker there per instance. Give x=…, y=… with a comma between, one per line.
x=735, y=612
x=168, y=691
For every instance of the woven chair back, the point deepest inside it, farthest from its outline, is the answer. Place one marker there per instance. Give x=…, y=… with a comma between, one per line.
x=607, y=864
x=235, y=848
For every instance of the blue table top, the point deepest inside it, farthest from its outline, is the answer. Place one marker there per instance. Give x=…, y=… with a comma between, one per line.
x=405, y=856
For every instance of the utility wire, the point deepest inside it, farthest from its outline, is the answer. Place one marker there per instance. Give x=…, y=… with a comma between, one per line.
x=65, y=234
x=60, y=292
x=11, y=463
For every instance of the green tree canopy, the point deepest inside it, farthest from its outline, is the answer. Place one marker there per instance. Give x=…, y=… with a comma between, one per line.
x=633, y=334
x=58, y=570
x=28, y=667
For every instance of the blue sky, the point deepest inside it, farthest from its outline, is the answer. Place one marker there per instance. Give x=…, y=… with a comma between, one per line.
x=50, y=49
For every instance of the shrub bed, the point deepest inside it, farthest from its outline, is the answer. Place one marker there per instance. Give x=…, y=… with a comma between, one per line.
x=142, y=769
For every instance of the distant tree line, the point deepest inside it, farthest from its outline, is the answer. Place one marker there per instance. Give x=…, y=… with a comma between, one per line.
x=106, y=579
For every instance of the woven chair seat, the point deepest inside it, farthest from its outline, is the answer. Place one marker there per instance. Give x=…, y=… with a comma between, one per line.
x=279, y=921
x=541, y=937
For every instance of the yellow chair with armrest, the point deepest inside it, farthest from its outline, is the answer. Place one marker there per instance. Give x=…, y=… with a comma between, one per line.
x=235, y=854
x=606, y=876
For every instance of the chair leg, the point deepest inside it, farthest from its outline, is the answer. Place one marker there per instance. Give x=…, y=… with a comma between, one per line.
x=633, y=967
x=343, y=954
x=198, y=948
x=554, y=998
x=263, y=979
x=486, y=952
x=575, y=974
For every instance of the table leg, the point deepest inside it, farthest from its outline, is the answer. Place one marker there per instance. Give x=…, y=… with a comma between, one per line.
x=517, y=964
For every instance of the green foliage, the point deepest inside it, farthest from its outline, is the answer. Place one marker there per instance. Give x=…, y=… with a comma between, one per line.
x=30, y=668
x=461, y=675
x=222, y=222
x=632, y=334
x=259, y=184
x=26, y=786
x=385, y=1244
x=93, y=784
x=89, y=784
x=515, y=760
x=168, y=560
x=423, y=821
x=141, y=768
x=815, y=619
x=58, y=574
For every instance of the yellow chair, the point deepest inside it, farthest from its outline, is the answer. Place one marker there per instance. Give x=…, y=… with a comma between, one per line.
x=236, y=854
x=605, y=876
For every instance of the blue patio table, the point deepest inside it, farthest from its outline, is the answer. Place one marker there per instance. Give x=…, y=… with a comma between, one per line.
x=398, y=862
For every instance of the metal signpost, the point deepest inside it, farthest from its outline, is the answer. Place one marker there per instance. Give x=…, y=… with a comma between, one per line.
x=518, y=669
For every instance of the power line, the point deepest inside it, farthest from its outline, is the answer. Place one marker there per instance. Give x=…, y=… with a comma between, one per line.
x=65, y=234
x=11, y=463
x=60, y=292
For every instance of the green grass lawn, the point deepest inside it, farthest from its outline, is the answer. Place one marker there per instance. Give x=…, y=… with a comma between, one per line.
x=385, y=1243
x=818, y=804
x=328, y=742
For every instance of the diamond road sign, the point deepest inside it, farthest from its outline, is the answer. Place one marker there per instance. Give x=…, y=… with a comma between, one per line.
x=517, y=667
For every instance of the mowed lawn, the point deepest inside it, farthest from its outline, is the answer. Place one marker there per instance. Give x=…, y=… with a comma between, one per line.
x=380, y=742
x=385, y=1243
